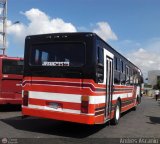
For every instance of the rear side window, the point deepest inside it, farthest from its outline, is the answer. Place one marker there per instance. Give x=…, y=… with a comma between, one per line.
x=100, y=56
x=12, y=67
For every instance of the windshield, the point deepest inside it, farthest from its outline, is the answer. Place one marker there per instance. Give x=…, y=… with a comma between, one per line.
x=12, y=67
x=58, y=54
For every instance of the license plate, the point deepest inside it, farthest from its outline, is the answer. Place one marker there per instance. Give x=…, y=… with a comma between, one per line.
x=53, y=105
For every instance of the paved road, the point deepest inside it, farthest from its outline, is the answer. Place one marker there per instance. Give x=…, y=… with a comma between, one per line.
x=145, y=122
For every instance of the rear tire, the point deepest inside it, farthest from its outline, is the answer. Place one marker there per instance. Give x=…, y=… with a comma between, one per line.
x=139, y=99
x=137, y=102
x=117, y=114
x=134, y=108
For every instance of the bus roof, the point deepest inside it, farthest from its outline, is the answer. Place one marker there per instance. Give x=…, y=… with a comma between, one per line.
x=10, y=58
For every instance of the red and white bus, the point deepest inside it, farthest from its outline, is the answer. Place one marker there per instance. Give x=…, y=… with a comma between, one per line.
x=11, y=74
x=77, y=77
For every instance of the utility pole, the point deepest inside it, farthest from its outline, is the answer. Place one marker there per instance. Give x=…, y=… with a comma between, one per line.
x=3, y=24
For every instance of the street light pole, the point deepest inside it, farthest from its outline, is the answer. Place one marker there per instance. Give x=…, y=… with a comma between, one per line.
x=3, y=19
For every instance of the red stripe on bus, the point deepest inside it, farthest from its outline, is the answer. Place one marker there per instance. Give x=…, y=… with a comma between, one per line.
x=64, y=81
x=99, y=119
x=127, y=107
x=100, y=105
x=123, y=86
x=64, y=90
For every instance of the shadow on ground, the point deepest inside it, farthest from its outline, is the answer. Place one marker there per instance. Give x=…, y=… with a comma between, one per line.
x=10, y=108
x=153, y=120
x=53, y=127
x=159, y=102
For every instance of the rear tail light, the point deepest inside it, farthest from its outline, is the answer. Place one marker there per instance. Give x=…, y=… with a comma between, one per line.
x=84, y=104
x=25, y=98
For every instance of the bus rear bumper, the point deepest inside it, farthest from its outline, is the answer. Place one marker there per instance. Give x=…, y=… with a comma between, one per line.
x=77, y=118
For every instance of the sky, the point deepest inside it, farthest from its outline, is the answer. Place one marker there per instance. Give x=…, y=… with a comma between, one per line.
x=132, y=27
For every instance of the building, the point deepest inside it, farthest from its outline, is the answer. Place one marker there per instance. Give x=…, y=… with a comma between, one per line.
x=153, y=77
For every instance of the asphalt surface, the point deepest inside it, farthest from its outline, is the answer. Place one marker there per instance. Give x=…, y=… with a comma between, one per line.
x=144, y=122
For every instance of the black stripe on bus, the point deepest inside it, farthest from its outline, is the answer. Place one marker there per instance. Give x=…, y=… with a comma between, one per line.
x=100, y=108
x=121, y=89
x=127, y=102
x=99, y=113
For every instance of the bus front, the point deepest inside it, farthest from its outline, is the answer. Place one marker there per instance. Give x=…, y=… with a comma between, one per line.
x=59, y=78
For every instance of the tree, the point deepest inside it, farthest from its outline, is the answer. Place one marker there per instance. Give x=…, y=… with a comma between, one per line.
x=157, y=86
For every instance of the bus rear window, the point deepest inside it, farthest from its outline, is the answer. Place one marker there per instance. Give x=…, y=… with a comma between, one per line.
x=12, y=67
x=58, y=54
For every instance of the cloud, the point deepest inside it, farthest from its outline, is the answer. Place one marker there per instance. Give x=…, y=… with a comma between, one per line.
x=104, y=30
x=42, y=23
x=147, y=58
x=145, y=54
x=39, y=23
x=125, y=46
x=18, y=30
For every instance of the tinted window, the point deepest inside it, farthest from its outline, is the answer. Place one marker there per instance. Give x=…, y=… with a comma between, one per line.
x=127, y=75
x=58, y=54
x=121, y=66
x=115, y=63
x=100, y=56
x=12, y=67
x=116, y=77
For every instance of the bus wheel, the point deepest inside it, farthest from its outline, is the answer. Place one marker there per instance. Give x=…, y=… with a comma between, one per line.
x=134, y=108
x=139, y=99
x=117, y=114
x=137, y=102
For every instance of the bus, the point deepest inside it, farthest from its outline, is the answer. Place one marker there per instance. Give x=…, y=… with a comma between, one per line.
x=77, y=77
x=11, y=74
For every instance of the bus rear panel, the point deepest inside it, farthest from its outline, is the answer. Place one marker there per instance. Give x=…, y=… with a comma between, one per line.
x=11, y=75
